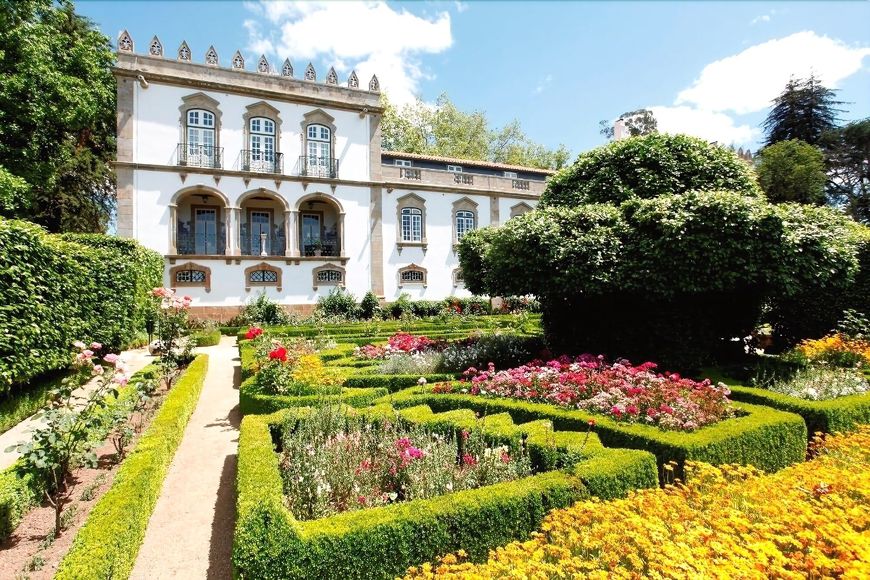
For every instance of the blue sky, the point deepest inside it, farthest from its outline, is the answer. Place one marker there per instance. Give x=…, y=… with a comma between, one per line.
x=707, y=68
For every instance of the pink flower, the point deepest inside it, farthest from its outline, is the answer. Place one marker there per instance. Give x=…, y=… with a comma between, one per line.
x=96, y=346
x=469, y=459
x=111, y=358
x=80, y=345
x=87, y=353
x=98, y=369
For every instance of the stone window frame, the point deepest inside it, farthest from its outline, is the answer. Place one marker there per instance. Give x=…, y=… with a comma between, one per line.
x=318, y=117
x=457, y=278
x=325, y=268
x=190, y=266
x=463, y=204
x=262, y=266
x=412, y=268
x=520, y=209
x=263, y=110
x=414, y=201
x=204, y=102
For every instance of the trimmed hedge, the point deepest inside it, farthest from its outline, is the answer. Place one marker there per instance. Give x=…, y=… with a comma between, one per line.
x=107, y=545
x=252, y=401
x=382, y=542
x=766, y=438
x=54, y=291
x=394, y=383
x=212, y=338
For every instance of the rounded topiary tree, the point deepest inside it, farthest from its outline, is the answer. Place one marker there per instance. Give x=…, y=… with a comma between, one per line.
x=671, y=278
x=649, y=166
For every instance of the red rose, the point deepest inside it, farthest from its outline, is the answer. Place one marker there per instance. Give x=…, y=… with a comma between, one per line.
x=280, y=353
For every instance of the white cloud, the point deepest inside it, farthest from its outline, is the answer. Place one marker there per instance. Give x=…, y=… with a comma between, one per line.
x=747, y=82
x=762, y=18
x=461, y=6
x=708, y=125
x=543, y=84
x=371, y=37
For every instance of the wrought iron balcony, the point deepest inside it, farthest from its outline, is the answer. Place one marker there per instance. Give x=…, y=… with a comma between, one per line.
x=311, y=166
x=275, y=246
x=200, y=244
x=320, y=249
x=260, y=161
x=193, y=155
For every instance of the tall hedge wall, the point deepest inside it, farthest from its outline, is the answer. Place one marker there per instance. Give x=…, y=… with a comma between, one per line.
x=58, y=289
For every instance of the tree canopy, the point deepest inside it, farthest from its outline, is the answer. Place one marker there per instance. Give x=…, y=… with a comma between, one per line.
x=792, y=171
x=57, y=115
x=804, y=110
x=637, y=123
x=442, y=129
x=848, y=157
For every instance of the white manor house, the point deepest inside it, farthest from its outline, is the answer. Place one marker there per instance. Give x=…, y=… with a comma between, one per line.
x=250, y=179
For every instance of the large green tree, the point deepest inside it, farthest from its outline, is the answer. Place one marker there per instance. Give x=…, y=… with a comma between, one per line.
x=442, y=129
x=637, y=123
x=57, y=114
x=792, y=171
x=848, y=156
x=805, y=110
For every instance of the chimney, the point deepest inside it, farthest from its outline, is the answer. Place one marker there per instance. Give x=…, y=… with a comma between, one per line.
x=619, y=130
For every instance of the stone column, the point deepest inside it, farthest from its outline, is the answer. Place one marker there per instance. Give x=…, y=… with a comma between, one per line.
x=292, y=232
x=494, y=216
x=173, y=229
x=341, y=234
x=234, y=232
x=376, y=241
x=289, y=232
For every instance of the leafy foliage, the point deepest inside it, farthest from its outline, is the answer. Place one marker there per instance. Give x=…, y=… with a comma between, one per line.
x=649, y=166
x=369, y=306
x=57, y=114
x=637, y=123
x=262, y=310
x=444, y=130
x=847, y=150
x=339, y=302
x=13, y=193
x=792, y=171
x=804, y=110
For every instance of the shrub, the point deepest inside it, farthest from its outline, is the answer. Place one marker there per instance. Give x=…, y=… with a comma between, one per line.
x=502, y=350
x=54, y=291
x=261, y=310
x=401, y=307
x=753, y=536
x=108, y=543
x=339, y=302
x=423, y=308
x=646, y=167
x=207, y=338
x=369, y=306
x=792, y=170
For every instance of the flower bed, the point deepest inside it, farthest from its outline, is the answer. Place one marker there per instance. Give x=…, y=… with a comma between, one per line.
x=837, y=350
x=808, y=521
x=381, y=542
x=624, y=392
x=333, y=463
x=822, y=384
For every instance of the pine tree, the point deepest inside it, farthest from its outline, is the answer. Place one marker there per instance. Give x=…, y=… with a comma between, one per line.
x=804, y=110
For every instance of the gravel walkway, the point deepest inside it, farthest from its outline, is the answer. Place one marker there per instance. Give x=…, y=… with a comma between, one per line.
x=190, y=533
x=136, y=360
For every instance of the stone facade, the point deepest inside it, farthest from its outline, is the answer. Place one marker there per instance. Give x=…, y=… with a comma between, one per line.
x=276, y=184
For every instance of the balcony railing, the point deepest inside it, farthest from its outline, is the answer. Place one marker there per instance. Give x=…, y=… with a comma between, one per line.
x=321, y=249
x=310, y=166
x=275, y=246
x=520, y=184
x=463, y=179
x=260, y=161
x=193, y=155
x=406, y=173
x=200, y=244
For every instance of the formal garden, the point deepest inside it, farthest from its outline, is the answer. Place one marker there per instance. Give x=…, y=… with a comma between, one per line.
x=676, y=385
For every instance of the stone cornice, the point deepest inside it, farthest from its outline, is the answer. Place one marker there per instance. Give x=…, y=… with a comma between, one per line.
x=389, y=185
x=246, y=83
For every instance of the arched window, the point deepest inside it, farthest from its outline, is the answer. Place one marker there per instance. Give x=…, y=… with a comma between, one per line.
x=262, y=277
x=199, y=140
x=190, y=275
x=328, y=275
x=412, y=224
x=412, y=275
x=464, y=223
x=261, y=135
x=262, y=274
x=319, y=150
x=458, y=278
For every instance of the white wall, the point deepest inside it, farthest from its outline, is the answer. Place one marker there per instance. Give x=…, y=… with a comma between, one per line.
x=158, y=130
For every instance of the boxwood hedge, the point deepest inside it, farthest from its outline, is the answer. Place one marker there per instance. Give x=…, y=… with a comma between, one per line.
x=58, y=289
x=767, y=438
x=382, y=542
x=107, y=545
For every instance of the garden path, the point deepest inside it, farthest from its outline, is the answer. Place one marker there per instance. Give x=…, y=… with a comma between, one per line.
x=136, y=359
x=190, y=533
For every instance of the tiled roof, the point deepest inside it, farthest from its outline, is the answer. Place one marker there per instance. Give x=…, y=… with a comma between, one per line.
x=466, y=162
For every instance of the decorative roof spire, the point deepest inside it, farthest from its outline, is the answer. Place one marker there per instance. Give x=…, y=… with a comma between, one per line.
x=287, y=69
x=263, y=64
x=184, y=51
x=374, y=84
x=353, y=80
x=211, y=56
x=156, y=47
x=310, y=74
x=125, y=42
x=238, y=60
x=331, y=77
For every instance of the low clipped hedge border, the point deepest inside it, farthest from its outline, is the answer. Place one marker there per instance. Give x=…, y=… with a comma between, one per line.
x=254, y=402
x=383, y=542
x=108, y=543
x=394, y=383
x=767, y=438
x=212, y=338
x=20, y=491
